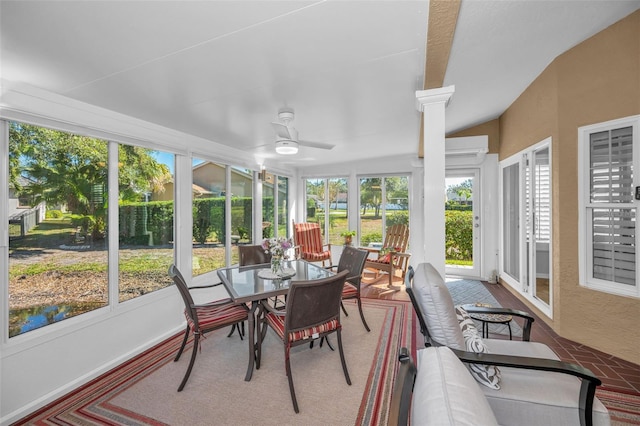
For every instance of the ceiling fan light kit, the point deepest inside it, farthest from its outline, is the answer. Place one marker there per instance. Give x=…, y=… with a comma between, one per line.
x=286, y=147
x=287, y=141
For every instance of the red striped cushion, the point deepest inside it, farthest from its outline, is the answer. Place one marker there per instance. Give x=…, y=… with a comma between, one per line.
x=277, y=322
x=316, y=256
x=218, y=316
x=349, y=290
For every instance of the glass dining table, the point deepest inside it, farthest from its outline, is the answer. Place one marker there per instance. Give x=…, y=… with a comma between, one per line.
x=254, y=284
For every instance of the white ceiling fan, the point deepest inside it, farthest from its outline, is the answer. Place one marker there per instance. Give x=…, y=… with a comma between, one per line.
x=287, y=141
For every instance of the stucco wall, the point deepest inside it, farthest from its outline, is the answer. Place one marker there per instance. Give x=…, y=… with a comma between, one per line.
x=596, y=81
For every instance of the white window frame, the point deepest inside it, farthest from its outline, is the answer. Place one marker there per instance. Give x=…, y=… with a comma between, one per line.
x=585, y=206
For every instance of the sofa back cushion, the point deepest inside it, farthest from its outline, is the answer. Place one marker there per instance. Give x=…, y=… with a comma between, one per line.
x=436, y=304
x=444, y=392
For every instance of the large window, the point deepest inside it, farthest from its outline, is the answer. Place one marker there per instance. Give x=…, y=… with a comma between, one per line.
x=384, y=201
x=609, y=158
x=58, y=250
x=145, y=220
x=58, y=256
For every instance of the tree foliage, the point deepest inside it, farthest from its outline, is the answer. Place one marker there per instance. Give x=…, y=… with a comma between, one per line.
x=61, y=168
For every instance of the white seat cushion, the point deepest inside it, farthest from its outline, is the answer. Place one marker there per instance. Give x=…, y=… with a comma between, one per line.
x=529, y=397
x=445, y=393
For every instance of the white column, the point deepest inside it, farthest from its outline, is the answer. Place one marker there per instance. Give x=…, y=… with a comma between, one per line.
x=432, y=103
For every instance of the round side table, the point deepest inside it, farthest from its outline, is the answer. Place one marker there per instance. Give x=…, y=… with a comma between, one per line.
x=487, y=319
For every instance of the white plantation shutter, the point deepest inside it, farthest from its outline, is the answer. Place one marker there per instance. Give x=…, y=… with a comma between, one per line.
x=610, y=209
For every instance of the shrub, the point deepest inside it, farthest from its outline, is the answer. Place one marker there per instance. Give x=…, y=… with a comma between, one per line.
x=398, y=218
x=53, y=214
x=459, y=234
x=371, y=237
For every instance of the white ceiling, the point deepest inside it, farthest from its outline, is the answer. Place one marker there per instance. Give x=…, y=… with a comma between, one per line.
x=220, y=70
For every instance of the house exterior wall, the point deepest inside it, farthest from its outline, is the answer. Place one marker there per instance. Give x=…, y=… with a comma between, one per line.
x=596, y=81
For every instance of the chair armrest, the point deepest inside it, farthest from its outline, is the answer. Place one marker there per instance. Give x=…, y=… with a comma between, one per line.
x=197, y=287
x=273, y=309
x=400, y=254
x=526, y=330
x=587, y=387
x=371, y=249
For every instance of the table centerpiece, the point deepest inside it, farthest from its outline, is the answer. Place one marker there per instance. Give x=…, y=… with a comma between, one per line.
x=277, y=247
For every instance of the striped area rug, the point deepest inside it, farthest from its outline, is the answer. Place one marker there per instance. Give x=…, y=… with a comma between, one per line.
x=142, y=391
x=624, y=407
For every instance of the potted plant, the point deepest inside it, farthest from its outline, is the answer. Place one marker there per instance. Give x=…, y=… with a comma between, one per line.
x=348, y=237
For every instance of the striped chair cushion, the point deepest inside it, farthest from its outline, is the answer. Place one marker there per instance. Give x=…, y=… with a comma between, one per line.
x=349, y=290
x=316, y=256
x=218, y=316
x=277, y=322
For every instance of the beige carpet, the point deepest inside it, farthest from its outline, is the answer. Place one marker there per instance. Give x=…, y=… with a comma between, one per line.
x=217, y=394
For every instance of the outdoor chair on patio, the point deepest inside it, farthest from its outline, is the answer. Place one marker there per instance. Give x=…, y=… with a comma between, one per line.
x=531, y=386
x=203, y=318
x=312, y=312
x=392, y=256
x=352, y=260
x=308, y=244
x=253, y=255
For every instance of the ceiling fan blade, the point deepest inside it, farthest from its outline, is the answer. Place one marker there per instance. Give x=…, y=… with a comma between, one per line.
x=319, y=145
x=282, y=130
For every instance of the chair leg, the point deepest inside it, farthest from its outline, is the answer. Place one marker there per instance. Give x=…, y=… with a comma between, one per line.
x=287, y=365
x=362, y=315
x=344, y=363
x=184, y=343
x=346, y=314
x=196, y=341
x=239, y=327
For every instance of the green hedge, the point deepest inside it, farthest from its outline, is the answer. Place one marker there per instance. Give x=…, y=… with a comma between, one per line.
x=459, y=234
x=208, y=220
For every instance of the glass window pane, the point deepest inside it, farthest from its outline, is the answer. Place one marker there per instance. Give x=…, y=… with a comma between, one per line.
x=315, y=201
x=338, y=220
x=283, y=206
x=241, y=209
x=397, y=196
x=268, y=214
x=371, y=231
x=58, y=259
x=146, y=189
x=209, y=183
x=611, y=166
x=614, y=249
x=511, y=221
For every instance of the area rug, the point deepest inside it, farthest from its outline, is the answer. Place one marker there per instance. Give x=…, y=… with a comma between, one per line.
x=624, y=407
x=142, y=391
x=471, y=291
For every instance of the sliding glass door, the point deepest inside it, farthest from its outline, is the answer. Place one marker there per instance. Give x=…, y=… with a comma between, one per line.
x=526, y=224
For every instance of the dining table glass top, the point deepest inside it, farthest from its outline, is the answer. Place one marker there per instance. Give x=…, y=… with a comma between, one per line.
x=244, y=283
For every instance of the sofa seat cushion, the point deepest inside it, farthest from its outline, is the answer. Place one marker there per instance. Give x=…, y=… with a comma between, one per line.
x=529, y=397
x=445, y=393
x=438, y=310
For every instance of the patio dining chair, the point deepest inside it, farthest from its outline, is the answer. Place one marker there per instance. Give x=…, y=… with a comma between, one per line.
x=312, y=312
x=203, y=318
x=308, y=243
x=352, y=260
